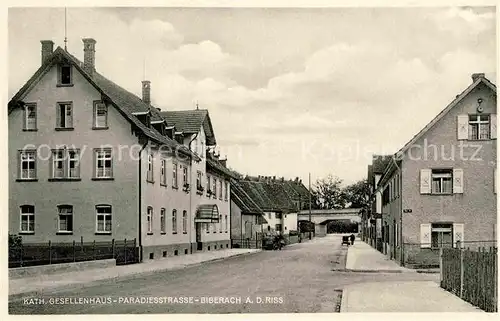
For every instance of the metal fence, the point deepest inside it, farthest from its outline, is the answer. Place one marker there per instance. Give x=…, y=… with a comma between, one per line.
x=471, y=275
x=31, y=254
x=246, y=243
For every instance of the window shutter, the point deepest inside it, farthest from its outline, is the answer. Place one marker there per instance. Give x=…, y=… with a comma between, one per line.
x=58, y=116
x=425, y=181
x=493, y=126
x=463, y=127
x=425, y=235
x=458, y=181
x=458, y=234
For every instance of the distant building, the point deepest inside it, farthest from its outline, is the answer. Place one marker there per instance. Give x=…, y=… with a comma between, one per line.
x=440, y=188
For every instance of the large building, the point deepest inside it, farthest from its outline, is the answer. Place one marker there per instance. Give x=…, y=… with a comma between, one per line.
x=439, y=190
x=90, y=161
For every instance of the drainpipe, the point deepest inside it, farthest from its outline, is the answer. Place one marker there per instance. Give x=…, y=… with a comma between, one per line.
x=401, y=250
x=191, y=219
x=140, y=201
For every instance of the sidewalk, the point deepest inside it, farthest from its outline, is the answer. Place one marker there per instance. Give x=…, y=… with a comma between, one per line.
x=361, y=257
x=416, y=296
x=36, y=285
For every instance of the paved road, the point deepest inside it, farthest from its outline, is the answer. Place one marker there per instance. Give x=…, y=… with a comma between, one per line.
x=297, y=279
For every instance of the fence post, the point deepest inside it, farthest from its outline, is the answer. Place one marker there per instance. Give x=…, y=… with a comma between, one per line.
x=93, y=250
x=441, y=277
x=50, y=252
x=125, y=250
x=113, y=248
x=461, y=270
x=74, y=251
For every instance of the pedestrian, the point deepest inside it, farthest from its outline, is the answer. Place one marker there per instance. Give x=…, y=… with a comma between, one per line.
x=352, y=237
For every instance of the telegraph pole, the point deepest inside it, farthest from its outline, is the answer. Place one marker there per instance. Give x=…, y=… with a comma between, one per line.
x=310, y=201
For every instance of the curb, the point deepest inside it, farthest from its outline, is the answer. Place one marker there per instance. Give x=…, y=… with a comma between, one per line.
x=343, y=302
x=370, y=271
x=80, y=285
x=428, y=272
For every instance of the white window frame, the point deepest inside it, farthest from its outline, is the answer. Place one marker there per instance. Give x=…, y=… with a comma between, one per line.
x=58, y=157
x=61, y=213
x=185, y=180
x=30, y=110
x=68, y=109
x=226, y=191
x=75, y=159
x=184, y=222
x=150, y=173
x=174, y=221
x=220, y=189
x=174, y=176
x=479, y=123
x=105, y=217
x=149, y=219
x=103, y=155
x=442, y=177
x=198, y=180
x=100, y=121
x=441, y=230
x=163, y=225
x=163, y=172
x=28, y=157
x=30, y=218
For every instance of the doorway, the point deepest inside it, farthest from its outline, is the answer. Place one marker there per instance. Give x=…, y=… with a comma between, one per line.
x=199, y=244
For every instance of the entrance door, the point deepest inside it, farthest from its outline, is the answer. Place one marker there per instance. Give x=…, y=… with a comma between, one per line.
x=199, y=244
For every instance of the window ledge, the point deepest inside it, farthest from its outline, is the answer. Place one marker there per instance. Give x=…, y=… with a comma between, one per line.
x=149, y=233
x=225, y=232
x=100, y=128
x=175, y=187
x=30, y=130
x=64, y=129
x=27, y=180
x=26, y=233
x=199, y=192
x=163, y=184
x=64, y=179
x=64, y=233
x=102, y=233
x=64, y=85
x=150, y=181
x=174, y=232
x=184, y=232
x=441, y=194
x=103, y=178
x=163, y=233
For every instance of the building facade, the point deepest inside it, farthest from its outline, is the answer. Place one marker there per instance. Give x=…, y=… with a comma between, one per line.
x=439, y=190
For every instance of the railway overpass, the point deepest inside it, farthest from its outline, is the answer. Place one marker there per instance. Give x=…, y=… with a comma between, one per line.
x=324, y=217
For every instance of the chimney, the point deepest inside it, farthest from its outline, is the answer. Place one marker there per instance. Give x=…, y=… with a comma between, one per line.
x=89, y=55
x=47, y=49
x=477, y=76
x=223, y=162
x=146, y=91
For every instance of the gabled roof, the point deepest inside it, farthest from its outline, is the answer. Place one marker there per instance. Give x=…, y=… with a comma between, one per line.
x=480, y=80
x=190, y=122
x=215, y=166
x=243, y=200
x=125, y=102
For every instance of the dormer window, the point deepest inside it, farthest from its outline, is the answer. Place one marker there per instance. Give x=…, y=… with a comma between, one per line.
x=65, y=75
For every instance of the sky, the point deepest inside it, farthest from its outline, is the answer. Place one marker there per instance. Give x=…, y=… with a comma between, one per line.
x=290, y=91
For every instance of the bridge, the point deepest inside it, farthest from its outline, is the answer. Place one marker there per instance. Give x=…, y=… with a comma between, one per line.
x=322, y=218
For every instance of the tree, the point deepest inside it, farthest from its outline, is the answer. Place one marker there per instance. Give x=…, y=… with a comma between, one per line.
x=328, y=193
x=357, y=194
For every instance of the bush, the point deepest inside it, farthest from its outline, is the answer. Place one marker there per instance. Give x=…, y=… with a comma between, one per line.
x=15, y=240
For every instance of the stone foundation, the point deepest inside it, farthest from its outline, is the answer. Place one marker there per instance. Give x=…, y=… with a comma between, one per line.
x=170, y=250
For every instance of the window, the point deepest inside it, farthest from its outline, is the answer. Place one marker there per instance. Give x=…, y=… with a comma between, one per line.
x=104, y=216
x=208, y=186
x=279, y=216
x=225, y=223
x=65, y=75
x=278, y=227
x=27, y=166
x=184, y=221
x=220, y=223
x=30, y=117
x=441, y=235
x=479, y=127
x=65, y=163
x=150, y=176
x=442, y=182
x=65, y=115
x=207, y=227
x=226, y=191
x=220, y=189
x=198, y=181
x=214, y=191
x=65, y=218
x=185, y=181
x=174, y=176
x=100, y=115
x=163, y=172
x=103, y=163
x=162, y=220
x=27, y=219
x=149, y=219
x=174, y=221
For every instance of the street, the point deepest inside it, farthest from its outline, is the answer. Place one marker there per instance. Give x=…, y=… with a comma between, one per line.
x=298, y=279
